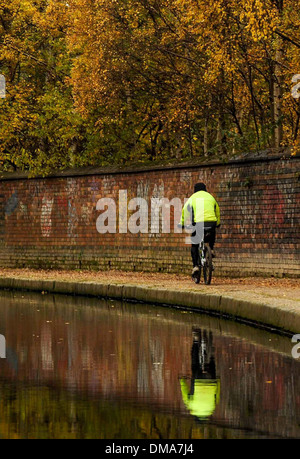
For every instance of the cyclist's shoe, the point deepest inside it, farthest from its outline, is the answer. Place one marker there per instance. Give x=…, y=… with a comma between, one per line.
x=195, y=270
x=196, y=274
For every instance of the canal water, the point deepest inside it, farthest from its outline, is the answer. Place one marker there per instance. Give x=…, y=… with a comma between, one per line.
x=89, y=368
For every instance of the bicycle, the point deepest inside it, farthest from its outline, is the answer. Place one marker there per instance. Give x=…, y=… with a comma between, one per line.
x=205, y=259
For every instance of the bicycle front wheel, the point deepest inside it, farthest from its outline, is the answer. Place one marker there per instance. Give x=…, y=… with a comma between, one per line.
x=208, y=266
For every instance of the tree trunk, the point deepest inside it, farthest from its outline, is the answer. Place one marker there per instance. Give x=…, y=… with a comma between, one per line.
x=221, y=137
x=205, y=136
x=278, y=81
x=277, y=99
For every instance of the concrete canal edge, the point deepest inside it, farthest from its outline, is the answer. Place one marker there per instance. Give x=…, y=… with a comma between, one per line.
x=283, y=319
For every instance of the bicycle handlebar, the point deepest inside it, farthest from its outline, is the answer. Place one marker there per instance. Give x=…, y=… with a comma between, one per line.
x=189, y=227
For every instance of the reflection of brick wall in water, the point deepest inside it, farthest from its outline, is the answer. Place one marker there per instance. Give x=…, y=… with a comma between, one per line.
x=117, y=353
x=51, y=222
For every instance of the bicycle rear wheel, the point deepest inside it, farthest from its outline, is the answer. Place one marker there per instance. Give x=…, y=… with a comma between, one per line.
x=208, y=266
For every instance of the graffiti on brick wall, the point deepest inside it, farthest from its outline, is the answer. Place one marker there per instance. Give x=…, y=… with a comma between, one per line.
x=156, y=216
x=72, y=192
x=23, y=209
x=46, y=216
x=85, y=213
x=186, y=176
x=36, y=190
x=94, y=187
x=273, y=208
x=62, y=206
x=142, y=190
x=247, y=219
x=108, y=184
x=259, y=205
x=12, y=203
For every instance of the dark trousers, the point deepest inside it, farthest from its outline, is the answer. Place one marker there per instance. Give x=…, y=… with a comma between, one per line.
x=209, y=236
x=207, y=368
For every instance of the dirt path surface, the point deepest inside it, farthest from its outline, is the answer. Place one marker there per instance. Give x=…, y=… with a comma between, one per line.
x=275, y=291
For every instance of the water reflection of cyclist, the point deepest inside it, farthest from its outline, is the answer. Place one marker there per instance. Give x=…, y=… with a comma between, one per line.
x=203, y=394
x=206, y=213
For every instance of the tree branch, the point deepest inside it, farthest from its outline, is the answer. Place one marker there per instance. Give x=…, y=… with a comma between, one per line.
x=285, y=37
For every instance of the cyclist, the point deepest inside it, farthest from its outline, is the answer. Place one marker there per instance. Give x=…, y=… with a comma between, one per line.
x=205, y=215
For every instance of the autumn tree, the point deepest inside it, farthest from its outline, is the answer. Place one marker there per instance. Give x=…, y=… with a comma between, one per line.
x=96, y=82
x=181, y=78
x=39, y=128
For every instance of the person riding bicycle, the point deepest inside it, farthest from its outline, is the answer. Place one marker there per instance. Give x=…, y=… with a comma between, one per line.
x=205, y=216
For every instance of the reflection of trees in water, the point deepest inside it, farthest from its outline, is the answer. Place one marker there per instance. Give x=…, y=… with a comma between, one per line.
x=143, y=386
x=46, y=348
x=112, y=352
x=150, y=369
x=40, y=412
x=157, y=360
x=261, y=388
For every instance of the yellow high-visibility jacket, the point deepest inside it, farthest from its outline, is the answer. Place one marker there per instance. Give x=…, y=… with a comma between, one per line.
x=205, y=398
x=204, y=208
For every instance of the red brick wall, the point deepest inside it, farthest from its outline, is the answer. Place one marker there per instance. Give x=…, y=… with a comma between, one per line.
x=51, y=222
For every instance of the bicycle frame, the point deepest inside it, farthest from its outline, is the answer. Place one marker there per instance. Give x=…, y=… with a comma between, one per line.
x=204, y=258
x=201, y=253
